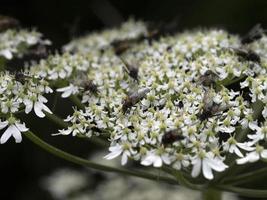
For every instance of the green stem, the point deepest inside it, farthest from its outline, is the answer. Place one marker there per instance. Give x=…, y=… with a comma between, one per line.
x=246, y=177
x=57, y=120
x=55, y=102
x=181, y=179
x=2, y=63
x=211, y=194
x=95, y=140
x=81, y=161
x=244, y=191
x=77, y=102
x=232, y=81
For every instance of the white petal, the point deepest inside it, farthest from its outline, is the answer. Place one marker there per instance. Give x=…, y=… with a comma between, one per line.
x=45, y=108
x=238, y=152
x=264, y=112
x=157, y=162
x=253, y=157
x=177, y=165
x=246, y=146
x=63, y=89
x=66, y=94
x=147, y=161
x=29, y=105
x=6, y=135
x=166, y=159
x=124, y=159
x=38, y=109
x=216, y=165
x=11, y=130
x=16, y=134
x=21, y=127
x=253, y=125
x=63, y=132
x=113, y=154
x=3, y=124
x=196, y=168
x=7, y=54
x=242, y=161
x=42, y=99
x=206, y=170
x=264, y=153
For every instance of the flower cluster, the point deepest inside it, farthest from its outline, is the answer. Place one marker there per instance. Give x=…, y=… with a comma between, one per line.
x=20, y=92
x=97, y=42
x=17, y=42
x=186, y=100
x=189, y=78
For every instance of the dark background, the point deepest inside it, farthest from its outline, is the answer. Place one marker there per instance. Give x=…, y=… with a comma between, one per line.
x=23, y=164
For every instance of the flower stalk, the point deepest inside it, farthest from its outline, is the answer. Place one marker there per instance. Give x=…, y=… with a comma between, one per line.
x=211, y=194
x=81, y=161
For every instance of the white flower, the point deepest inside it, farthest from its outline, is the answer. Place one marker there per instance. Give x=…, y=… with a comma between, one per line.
x=38, y=106
x=124, y=149
x=261, y=133
x=14, y=129
x=264, y=112
x=74, y=129
x=156, y=159
x=68, y=91
x=225, y=126
x=182, y=161
x=207, y=162
x=11, y=105
x=259, y=152
x=233, y=146
x=6, y=53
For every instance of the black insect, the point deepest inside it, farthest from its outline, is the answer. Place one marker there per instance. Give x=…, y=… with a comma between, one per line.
x=7, y=23
x=131, y=69
x=133, y=99
x=210, y=108
x=180, y=104
x=208, y=78
x=156, y=30
x=21, y=77
x=254, y=34
x=38, y=52
x=247, y=55
x=90, y=86
x=172, y=136
x=120, y=46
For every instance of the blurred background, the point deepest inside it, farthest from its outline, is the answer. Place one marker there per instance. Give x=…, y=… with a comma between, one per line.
x=23, y=165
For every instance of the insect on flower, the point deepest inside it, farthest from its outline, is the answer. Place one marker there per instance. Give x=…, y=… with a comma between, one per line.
x=208, y=78
x=254, y=34
x=172, y=136
x=21, y=77
x=90, y=86
x=120, y=46
x=210, y=108
x=7, y=23
x=38, y=51
x=133, y=99
x=247, y=55
x=156, y=30
x=85, y=83
x=131, y=69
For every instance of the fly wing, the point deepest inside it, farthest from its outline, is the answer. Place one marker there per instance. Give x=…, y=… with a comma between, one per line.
x=125, y=65
x=137, y=96
x=254, y=34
